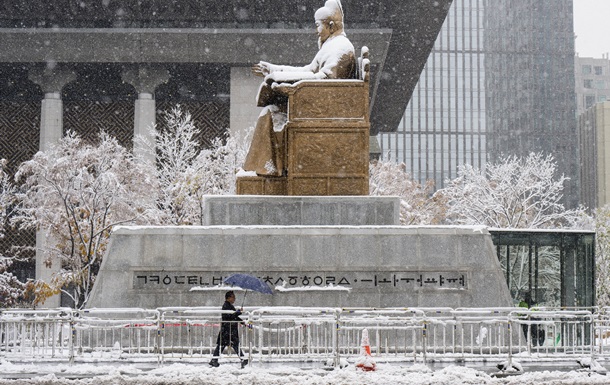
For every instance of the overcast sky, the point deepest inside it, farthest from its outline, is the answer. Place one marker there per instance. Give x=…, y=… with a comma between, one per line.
x=592, y=27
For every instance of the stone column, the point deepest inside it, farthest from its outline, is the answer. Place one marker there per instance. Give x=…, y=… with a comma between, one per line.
x=244, y=89
x=51, y=130
x=51, y=114
x=145, y=79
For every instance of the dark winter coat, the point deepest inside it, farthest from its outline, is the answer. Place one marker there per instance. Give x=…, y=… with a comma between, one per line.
x=230, y=323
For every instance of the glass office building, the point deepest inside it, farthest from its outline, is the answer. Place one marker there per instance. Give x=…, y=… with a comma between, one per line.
x=529, y=82
x=444, y=123
x=499, y=82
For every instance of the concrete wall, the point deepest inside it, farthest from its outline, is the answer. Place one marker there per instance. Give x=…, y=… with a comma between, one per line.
x=384, y=266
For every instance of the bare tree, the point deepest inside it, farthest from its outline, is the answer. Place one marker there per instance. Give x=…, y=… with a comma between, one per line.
x=186, y=173
x=76, y=192
x=514, y=193
x=214, y=172
x=602, y=258
x=175, y=148
x=12, y=290
x=417, y=206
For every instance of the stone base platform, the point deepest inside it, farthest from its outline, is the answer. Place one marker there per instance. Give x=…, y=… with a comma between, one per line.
x=301, y=210
x=335, y=266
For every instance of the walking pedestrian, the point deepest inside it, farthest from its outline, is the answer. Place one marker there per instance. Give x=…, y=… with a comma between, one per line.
x=228, y=335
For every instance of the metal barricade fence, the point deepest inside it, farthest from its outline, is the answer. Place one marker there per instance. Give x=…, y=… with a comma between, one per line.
x=269, y=334
x=31, y=334
x=112, y=333
x=602, y=331
x=393, y=333
x=186, y=332
x=555, y=332
x=290, y=333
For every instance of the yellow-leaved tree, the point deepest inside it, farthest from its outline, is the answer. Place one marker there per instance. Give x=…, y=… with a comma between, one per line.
x=75, y=193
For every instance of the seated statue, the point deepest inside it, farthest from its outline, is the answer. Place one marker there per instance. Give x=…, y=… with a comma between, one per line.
x=334, y=60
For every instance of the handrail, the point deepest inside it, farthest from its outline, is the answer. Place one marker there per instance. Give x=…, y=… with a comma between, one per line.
x=299, y=333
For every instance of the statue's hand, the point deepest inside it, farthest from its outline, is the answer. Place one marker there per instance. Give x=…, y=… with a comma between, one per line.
x=261, y=69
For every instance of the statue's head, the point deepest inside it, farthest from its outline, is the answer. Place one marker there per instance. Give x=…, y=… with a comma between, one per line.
x=329, y=20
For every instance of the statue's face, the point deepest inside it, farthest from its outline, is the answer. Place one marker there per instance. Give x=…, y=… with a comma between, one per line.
x=324, y=30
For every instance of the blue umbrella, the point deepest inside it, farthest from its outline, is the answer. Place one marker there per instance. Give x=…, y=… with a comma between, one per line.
x=248, y=282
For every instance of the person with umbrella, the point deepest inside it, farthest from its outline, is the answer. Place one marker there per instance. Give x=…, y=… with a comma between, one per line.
x=228, y=335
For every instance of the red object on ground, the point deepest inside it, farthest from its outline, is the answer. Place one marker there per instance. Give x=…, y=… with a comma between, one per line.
x=365, y=361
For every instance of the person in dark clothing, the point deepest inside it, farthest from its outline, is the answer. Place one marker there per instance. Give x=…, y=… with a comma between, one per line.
x=228, y=335
x=537, y=332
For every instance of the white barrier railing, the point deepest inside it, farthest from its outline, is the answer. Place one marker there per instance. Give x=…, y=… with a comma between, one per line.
x=307, y=334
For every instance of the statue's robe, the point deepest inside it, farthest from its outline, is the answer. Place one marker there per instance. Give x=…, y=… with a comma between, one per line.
x=334, y=60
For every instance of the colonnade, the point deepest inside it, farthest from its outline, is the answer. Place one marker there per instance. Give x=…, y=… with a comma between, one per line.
x=145, y=79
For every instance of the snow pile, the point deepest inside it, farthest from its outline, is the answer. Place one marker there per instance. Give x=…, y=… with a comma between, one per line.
x=216, y=288
x=329, y=287
x=229, y=373
x=588, y=363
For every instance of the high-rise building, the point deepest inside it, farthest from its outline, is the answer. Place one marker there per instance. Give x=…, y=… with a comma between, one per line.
x=593, y=107
x=594, y=129
x=499, y=82
x=529, y=68
x=592, y=82
x=444, y=123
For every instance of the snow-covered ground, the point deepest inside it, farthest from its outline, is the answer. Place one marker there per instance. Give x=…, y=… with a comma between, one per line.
x=230, y=374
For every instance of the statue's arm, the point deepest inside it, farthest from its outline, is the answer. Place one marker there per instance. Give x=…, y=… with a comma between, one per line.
x=263, y=68
x=284, y=68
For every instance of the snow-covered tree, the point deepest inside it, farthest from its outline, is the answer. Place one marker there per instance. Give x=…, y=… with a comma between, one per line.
x=602, y=255
x=513, y=193
x=214, y=172
x=175, y=148
x=187, y=173
x=12, y=291
x=8, y=197
x=417, y=206
x=75, y=193
x=517, y=193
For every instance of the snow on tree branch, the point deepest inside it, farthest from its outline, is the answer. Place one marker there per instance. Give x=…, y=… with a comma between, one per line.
x=186, y=173
x=12, y=291
x=417, y=207
x=602, y=257
x=75, y=193
x=514, y=193
x=8, y=199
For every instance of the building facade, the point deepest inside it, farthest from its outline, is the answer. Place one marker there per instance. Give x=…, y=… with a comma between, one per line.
x=444, y=125
x=529, y=68
x=499, y=82
x=594, y=130
x=592, y=82
x=549, y=267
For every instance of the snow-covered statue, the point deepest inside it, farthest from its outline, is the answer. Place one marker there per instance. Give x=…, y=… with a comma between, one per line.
x=334, y=60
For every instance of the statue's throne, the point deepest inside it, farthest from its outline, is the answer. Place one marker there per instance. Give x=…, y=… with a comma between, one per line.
x=326, y=139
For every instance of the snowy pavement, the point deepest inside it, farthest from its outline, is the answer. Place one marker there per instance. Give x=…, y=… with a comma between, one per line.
x=285, y=374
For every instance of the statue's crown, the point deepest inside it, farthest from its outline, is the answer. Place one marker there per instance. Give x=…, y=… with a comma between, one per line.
x=332, y=10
